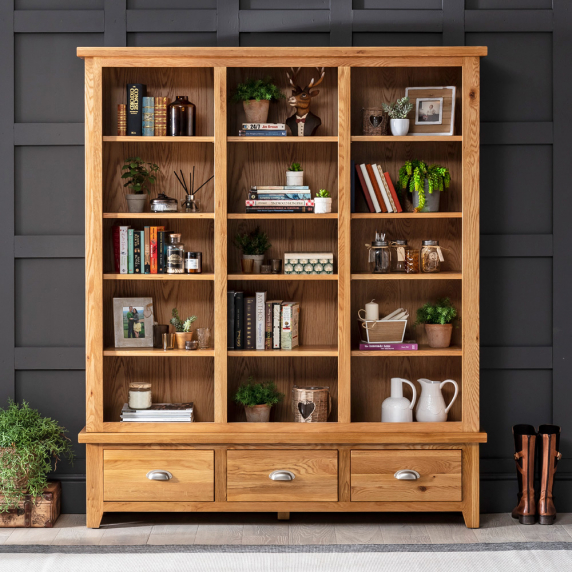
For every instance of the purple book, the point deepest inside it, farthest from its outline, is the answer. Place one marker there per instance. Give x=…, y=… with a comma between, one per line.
x=387, y=347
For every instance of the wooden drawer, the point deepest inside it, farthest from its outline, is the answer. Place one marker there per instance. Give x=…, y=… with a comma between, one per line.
x=373, y=475
x=125, y=475
x=315, y=475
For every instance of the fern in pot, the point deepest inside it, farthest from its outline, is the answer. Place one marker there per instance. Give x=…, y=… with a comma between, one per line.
x=140, y=175
x=256, y=95
x=426, y=182
x=253, y=245
x=398, y=112
x=258, y=399
x=438, y=321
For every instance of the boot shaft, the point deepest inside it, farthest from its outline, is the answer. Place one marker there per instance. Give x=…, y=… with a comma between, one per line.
x=525, y=453
x=549, y=455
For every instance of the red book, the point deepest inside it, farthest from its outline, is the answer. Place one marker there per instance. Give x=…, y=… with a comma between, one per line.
x=364, y=190
x=116, y=249
x=153, y=249
x=392, y=191
x=376, y=188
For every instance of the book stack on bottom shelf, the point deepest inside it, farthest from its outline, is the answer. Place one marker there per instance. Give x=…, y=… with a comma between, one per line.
x=159, y=413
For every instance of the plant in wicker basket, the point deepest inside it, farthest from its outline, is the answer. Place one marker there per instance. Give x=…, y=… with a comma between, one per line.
x=29, y=443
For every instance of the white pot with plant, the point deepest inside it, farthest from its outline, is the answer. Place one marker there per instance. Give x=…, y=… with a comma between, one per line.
x=258, y=399
x=425, y=182
x=295, y=175
x=253, y=245
x=140, y=174
x=322, y=202
x=398, y=112
x=256, y=95
x=183, y=329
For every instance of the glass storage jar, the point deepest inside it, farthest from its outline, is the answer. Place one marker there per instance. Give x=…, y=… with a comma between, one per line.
x=412, y=261
x=140, y=395
x=399, y=250
x=193, y=262
x=380, y=257
x=431, y=256
x=174, y=263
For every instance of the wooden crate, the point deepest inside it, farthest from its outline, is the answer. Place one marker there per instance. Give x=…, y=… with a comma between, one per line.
x=42, y=514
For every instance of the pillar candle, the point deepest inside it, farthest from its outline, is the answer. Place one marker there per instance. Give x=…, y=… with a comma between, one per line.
x=372, y=311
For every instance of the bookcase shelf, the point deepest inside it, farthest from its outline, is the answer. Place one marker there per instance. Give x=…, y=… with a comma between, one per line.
x=289, y=139
x=168, y=277
x=156, y=352
x=159, y=215
x=423, y=351
x=157, y=139
x=300, y=351
x=283, y=277
x=397, y=216
x=276, y=216
x=406, y=138
x=420, y=276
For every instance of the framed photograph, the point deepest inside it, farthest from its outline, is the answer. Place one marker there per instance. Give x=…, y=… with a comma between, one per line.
x=133, y=322
x=433, y=110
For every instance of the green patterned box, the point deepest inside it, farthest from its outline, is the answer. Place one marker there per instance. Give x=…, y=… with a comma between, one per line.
x=308, y=263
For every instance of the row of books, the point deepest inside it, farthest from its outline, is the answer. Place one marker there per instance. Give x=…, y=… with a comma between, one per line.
x=378, y=189
x=159, y=413
x=142, y=115
x=255, y=323
x=279, y=199
x=140, y=251
x=263, y=130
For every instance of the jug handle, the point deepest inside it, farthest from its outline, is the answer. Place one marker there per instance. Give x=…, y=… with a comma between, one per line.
x=454, y=396
x=414, y=392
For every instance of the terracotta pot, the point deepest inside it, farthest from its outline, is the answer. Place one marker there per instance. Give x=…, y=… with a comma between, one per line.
x=258, y=413
x=256, y=111
x=439, y=335
x=183, y=337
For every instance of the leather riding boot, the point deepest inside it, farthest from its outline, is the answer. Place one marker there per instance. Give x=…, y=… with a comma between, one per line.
x=549, y=443
x=525, y=448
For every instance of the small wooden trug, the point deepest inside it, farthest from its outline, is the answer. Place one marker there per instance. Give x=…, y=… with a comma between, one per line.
x=41, y=514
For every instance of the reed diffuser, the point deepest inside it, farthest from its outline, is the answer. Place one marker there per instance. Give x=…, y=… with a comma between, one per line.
x=191, y=204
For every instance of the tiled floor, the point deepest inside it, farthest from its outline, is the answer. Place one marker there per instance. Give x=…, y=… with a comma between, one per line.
x=258, y=529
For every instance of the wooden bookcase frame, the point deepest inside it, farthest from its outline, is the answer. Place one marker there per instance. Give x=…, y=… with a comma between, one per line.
x=343, y=435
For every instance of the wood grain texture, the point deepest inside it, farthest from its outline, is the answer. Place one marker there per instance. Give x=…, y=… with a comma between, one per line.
x=316, y=476
x=344, y=485
x=124, y=474
x=220, y=474
x=94, y=485
x=471, y=492
x=373, y=476
x=157, y=139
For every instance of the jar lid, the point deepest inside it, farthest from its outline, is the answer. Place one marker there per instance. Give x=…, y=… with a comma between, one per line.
x=139, y=385
x=400, y=242
x=430, y=243
x=192, y=254
x=162, y=198
x=379, y=243
x=175, y=236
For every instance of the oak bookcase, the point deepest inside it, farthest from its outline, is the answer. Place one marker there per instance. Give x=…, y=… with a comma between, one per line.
x=220, y=462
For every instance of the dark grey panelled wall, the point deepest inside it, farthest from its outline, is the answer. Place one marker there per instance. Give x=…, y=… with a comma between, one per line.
x=526, y=254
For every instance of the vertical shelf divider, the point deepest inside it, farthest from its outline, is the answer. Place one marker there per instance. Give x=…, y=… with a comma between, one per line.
x=344, y=244
x=220, y=247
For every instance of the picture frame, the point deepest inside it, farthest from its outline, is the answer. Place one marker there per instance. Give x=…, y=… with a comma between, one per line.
x=429, y=111
x=133, y=322
x=444, y=96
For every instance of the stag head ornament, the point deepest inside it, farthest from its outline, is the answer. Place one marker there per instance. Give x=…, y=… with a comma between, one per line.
x=303, y=122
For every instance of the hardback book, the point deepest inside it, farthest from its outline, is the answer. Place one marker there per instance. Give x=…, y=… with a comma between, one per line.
x=271, y=210
x=290, y=319
x=280, y=203
x=260, y=320
x=370, y=180
x=147, y=250
x=268, y=324
x=162, y=241
x=386, y=187
x=278, y=196
x=364, y=189
x=262, y=133
x=230, y=320
x=121, y=119
x=276, y=324
x=148, y=116
x=161, y=116
x=407, y=346
x=116, y=249
x=130, y=253
x=123, y=250
x=265, y=126
x=135, y=94
x=266, y=189
x=153, y=247
x=137, y=251
x=379, y=180
x=239, y=320
x=161, y=409
x=393, y=193
x=250, y=322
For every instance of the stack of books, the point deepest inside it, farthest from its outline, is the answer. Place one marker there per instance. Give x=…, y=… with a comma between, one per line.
x=140, y=251
x=280, y=199
x=255, y=323
x=378, y=189
x=263, y=130
x=159, y=413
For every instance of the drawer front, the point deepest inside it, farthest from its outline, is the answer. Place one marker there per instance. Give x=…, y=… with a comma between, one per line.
x=315, y=475
x=125, y=475
x=373, y=475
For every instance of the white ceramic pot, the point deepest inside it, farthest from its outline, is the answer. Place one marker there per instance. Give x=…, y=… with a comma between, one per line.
x=257, y=259
x=136, y=203
x=322, y=205
x=399, y=127
x=398, y=409
x=294, y=178
x=431, y=406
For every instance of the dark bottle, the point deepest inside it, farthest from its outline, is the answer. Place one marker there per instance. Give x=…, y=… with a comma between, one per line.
x=181, y=117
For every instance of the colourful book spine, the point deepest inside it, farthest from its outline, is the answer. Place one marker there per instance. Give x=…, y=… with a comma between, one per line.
x=230, y=320
x=123, y=249
x=364, y=189
x=262, y=133
x=116, y=249
x=260, y=320
x=388, y=347
x=266, y=188
x=256, y=196
x=280, y=203
x=271, y=210
x=137, y=251
x=250, y=322
x=290, y=316
x=276, y=325
x=162, y=240
x=153, y=248
x=148, y=116
x=121, y=119
x=258, y=126
x=161, y=116
x=147, y=260
x=135, y=95
x=239, y=320
x=130, y=253
x=268, y=326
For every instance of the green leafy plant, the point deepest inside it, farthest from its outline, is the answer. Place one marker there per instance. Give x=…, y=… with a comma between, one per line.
x=139, y=174
x=29, y=443
x=255, y=242
x=443, y=312
x=399, y=109
x=323, y=194
x=414, y=173
x=180, y=325
x=295, y=167
x=257, y=89
x=250, y=393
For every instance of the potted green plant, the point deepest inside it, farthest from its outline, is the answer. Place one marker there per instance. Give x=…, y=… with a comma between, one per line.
x=295, y=175
x=322, y=202
x=258, y=399
x=398, y=112
x=422, y=180
x=256, y=95
x=253, y=245
x=438, y=321
x=183, y=329
x=140, y=174
x=30, y=447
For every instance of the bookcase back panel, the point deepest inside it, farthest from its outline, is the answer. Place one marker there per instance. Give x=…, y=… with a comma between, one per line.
x=286, y=372
x=373, y=86
x=196, y=83
x=446, y=231
x=407, y=294
x=371, y=382
x=252, y=164
x=196, y=234
x=318, y=306
x=191, y=298
x=169, y=157
x=324, y=105
x=392, y=156
x=174, y=380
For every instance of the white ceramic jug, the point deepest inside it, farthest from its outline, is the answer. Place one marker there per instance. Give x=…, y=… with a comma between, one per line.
x=431, y=405
x=398, y=409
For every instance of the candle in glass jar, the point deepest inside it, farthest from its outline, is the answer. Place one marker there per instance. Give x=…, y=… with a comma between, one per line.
x=372, y=311
x=139, y=395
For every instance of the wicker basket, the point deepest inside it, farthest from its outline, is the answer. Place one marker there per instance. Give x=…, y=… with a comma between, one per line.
x=311, y=404
x=374, y=121
x=382, y=331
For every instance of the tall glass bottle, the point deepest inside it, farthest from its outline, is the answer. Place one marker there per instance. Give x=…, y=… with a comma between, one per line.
x=175, y=262
x=181, y=117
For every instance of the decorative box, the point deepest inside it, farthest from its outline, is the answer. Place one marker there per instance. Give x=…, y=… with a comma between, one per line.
x=42, y=513
x=308, y=263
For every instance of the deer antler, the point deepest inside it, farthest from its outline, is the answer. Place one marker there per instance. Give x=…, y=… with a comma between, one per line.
x=320, y=80
x=293, y=78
